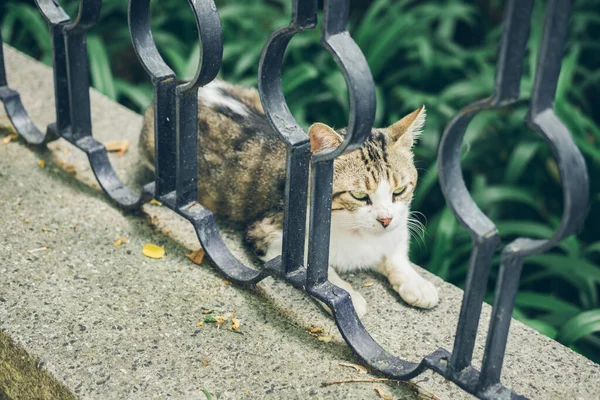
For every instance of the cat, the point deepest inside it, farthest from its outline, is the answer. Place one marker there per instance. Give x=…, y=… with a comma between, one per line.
x=241, y=176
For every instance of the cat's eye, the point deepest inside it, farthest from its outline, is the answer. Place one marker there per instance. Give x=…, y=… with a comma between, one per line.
x=400, y=190
x=360, y=195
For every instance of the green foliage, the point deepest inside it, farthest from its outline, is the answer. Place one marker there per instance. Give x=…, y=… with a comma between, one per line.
x=441, y=54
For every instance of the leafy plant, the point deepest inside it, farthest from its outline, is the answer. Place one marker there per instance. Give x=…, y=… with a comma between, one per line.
x=441, y=54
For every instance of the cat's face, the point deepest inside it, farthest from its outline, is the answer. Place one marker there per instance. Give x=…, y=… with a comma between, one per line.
x=373, y=186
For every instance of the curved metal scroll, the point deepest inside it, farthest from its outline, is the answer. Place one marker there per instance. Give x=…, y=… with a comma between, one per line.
x=176, y=131
x=71, y=88
x=336, y=39
x=485, y=237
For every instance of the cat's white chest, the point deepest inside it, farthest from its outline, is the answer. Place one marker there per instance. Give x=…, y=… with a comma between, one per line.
x=349, y=251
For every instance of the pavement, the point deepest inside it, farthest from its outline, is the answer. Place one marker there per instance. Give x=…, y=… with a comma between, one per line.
x=83, y=318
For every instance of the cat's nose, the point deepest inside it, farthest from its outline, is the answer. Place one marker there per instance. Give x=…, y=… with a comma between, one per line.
x=384, y=221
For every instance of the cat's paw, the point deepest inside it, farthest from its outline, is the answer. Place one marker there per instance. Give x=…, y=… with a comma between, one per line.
x=359, y=303
x=418, y=293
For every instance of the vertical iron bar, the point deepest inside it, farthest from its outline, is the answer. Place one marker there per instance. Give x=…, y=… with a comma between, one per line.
x=3, y=81
x=549, y=62
x=187, y=146
x=470, y=311
x=294, y=216
x=504, y=300
x=79, y=85
x=61, y=81
x=165, y=134
x=511, y=53
x=320, y=222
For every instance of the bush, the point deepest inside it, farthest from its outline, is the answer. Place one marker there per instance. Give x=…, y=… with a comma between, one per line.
x=441, y=54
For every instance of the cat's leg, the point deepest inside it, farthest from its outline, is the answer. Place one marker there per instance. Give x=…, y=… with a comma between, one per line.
x=359, y=302
x=266, y=237
x=412, y=287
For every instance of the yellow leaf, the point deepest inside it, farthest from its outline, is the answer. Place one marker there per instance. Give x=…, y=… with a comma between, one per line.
x=155, y=202
x=42, y=163
x=316, y=329
x=204, y=362
x=226, y=282
x=153, y=251
x=196, y=256
x=236, y=324
x=200, y=323
x=367, y=284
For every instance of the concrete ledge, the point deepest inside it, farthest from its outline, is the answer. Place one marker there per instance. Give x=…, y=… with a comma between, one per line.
x=81, y=317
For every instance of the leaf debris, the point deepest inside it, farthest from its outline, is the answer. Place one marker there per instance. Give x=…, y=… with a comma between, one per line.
x=153, y=251
x=121, y=240
x=197, y=256
x=9, y=138
x=358, y=368
x=368, y=284
x=155, y=202
x=41, y=163
x=117, y=146
x=383, y=395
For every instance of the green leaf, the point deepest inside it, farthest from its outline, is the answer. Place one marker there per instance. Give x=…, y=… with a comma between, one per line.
x=584, y=324
x=102, y=78
x=491, y=195
x=542, y=327
x=544, y=302
x=519, y=159
x=443, y=244
x=297, y=76
x=140, y=95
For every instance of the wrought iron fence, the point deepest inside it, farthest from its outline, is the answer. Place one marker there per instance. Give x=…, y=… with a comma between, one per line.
x=176, y=139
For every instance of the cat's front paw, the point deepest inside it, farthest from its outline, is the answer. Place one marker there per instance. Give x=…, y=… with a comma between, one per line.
x=418, y=293
x=359, y=303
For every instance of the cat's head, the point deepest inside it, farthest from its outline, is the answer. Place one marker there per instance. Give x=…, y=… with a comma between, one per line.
x=374, y=185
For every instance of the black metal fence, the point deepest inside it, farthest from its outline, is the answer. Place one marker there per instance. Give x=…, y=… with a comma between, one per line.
x=176, y=139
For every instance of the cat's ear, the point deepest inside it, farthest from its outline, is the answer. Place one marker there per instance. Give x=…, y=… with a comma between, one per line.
x=322, y=137
x=406, y=131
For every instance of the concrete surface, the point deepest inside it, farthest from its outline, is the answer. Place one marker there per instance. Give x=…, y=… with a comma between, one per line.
x=79, y=316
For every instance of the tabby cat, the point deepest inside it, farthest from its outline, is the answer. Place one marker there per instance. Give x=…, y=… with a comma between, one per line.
x=241, y=176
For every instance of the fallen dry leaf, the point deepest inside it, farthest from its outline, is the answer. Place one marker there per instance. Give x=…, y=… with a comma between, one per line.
x=226, y=282
x=118, y=146
x=325, y=338
x=154, y=220
x=44, y=229
x=196, y=256
x=200, y=323
x=153, y=251
x=155, y=202
x=316, y=329
x=27, y=220
x=382, y=394
x=42, y=163
x=68, y=168
x=236, y=324
x=121, y=240
x=204, y=362
x=358, y=368
x=9, y=138
x=368, y=284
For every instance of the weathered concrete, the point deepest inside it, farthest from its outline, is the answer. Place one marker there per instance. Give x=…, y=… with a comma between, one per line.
x=106, y=322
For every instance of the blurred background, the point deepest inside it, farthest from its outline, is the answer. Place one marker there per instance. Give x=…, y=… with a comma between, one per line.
x=439, y=53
